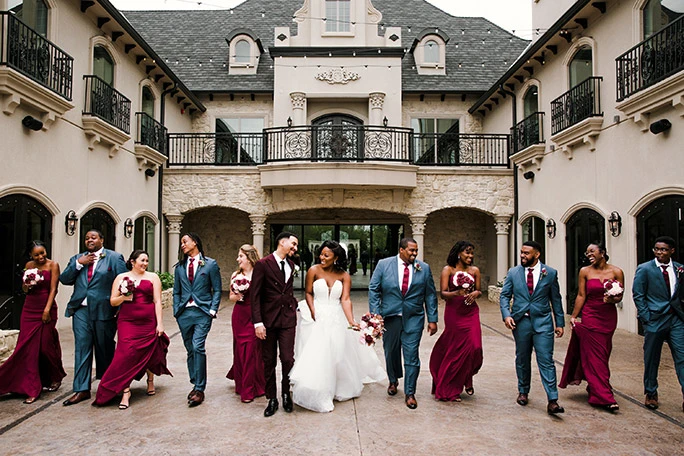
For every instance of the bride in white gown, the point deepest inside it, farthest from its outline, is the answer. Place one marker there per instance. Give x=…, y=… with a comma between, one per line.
x=330, y=361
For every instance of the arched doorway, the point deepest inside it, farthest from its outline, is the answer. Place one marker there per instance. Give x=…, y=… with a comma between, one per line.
x=663, y=217
x=22, y=219
x=585, y=226
x=337, y=137
x=98, y=219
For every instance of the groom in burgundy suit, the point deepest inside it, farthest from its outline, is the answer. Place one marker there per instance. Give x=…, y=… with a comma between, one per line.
x=274, y=314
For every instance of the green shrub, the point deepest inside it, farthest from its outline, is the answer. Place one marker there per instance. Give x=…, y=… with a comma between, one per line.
x=166, y=280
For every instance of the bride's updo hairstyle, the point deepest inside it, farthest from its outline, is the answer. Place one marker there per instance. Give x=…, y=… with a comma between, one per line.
x=134, y=256
x=337, y=250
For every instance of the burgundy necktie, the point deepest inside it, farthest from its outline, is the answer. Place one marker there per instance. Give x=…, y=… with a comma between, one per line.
x=405, y=280
x=666, y=276
x=191, y=270
x=91, y=266
x=530, y=280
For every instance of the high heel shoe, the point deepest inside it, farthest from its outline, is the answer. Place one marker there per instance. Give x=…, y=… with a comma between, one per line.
x=150, y=388
x=30, y=400
x=53, y=387
x=125, y=397
x=470, y=391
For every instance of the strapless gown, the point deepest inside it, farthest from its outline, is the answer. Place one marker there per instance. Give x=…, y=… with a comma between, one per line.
x=37, y=358
x=248, y=364
x=138, y=348
x=590, y=346
x=330, y=361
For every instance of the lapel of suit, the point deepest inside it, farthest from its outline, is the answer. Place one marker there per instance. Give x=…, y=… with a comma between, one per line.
x=522, y=282
x=542, y=276
x=394, y=273
x=661, y=280
x=275, y=268
x=414, y=278
x=97, y=269
x=676, y=266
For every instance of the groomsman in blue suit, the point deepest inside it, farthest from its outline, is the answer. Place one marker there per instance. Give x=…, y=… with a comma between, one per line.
x=655, y=294
x=402, y=291
x=196, y=299
x=93, y=319
x=536, y=304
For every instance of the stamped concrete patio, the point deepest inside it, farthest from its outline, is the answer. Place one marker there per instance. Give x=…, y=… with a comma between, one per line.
x=490, y=422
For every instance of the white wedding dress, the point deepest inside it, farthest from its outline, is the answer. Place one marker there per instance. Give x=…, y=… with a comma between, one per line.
x=330, y=361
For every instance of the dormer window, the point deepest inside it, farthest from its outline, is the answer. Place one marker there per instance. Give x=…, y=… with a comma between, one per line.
x=338, y=16
x=243, y=52
x=429, y=51
x=245, y=49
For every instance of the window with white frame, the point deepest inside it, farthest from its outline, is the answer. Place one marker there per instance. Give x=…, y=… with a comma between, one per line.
x=243, y=52
x=337, y=15
x=431, y=52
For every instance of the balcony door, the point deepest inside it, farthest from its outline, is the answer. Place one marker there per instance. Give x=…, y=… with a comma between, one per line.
x=337, y=137
x=580, y=68
x=33, y=13
x=22, y=220
x=584, y=227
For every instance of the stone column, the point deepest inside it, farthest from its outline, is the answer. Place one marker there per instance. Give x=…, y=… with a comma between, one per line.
x=502, y=225
x=298, y=100
x=173, y=229
x=418, y=233
x=376, y=102
x=258, y=231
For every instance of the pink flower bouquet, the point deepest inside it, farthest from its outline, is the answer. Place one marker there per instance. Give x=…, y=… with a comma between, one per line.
x=612, y=288
x=463, y=280
x=239, y=284
x=32, y=277
x=126, y=286
x=371, y=328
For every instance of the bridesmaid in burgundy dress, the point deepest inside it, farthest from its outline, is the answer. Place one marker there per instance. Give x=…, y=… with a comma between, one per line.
x=592, y=336
x=457, y=355
x=36, y=363
x=248, y=368
x=142, y=344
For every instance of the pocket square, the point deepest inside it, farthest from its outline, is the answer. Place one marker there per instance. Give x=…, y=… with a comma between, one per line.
x=109, y=269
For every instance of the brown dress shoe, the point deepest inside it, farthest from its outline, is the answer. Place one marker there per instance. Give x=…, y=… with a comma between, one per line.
x=191, y=393
x=196, y=399
x=651, y=401
x=522, y=399
x=554, y=409
x=411, y=401
x=76, y=398
x=392, y=389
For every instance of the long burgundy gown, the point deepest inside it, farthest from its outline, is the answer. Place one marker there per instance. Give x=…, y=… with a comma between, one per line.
x=138, y=348
x=590, y=346
x=248, y=365
x=457, y=355
x=37, y=358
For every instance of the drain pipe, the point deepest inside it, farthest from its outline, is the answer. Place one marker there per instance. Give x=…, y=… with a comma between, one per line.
x=515, y=174
x=160, y=216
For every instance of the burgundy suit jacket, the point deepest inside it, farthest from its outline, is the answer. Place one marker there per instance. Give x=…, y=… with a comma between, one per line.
x=273, y=302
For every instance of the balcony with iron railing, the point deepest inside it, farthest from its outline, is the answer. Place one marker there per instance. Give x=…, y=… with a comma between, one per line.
x=528, y=132
x=577, y=104
x=105, y=102
x=651, y=61
x=150, y=141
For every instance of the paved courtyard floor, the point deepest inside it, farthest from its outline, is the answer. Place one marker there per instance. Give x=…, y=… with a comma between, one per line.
x=490, y=422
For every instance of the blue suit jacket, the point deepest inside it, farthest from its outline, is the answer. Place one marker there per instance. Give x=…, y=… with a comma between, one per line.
x=384, y=294
x=98, y=289
x=651, y=296
x=546, y=296
x=205, y=289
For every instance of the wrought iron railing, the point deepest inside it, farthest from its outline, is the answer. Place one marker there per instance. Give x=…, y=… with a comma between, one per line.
x=107, y=103
x=31, y=54
x=654, y=59
x=344, y=143
x=581, y=102
x=150, y=132
x=528, y=132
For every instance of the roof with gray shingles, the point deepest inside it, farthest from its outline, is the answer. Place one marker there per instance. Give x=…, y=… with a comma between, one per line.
x=186, y=38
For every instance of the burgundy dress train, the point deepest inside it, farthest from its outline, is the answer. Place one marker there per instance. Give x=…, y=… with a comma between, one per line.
x=590, y=346
x=248, y=365
x=37, y=358
x=457, y=355
x=138, y=348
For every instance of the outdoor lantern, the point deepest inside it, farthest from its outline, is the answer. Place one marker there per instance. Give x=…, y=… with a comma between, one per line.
x=128, y=228
x=289, y=122
x=149, y=172
x=384, y=122
x=70, y=223
x=529, y=175
x=615, y=224
x=551, y=228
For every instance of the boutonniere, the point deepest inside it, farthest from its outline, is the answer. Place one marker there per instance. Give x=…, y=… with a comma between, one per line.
x=417, y=267
x=295, y=271
x=102, y=255
x=543, y=272
x=201, y=262
x=680, y=271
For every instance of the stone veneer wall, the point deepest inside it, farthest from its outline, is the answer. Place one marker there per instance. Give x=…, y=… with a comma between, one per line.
x=222, y=231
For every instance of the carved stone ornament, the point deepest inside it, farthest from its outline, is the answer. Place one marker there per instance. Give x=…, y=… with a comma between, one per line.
x=337, y=76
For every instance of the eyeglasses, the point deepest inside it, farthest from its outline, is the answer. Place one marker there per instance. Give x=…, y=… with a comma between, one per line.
x=661, y=249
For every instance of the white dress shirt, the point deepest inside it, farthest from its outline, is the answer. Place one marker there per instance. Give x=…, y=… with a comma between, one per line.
x=400, y=270
x=288, y=269
x=80, y=266
x=670, y=273
x=195, y=266
x=536, y=273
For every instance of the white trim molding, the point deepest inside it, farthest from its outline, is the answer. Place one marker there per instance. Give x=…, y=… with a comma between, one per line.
x=34, y=193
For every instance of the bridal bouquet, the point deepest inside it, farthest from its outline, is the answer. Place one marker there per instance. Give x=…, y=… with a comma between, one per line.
x=32, y=277
x=371, y=328
x=612, y=288
x=239, y=284
x=463, y=280
x=126, y=286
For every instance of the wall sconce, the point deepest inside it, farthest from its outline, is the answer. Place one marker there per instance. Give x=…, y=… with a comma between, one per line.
x=529, y=175
x=384, y=122
x=149, y=172
x=615, y=224
x=70, y=223
x=128, y=228
x=32, y=123
x=551, y=228
x=660, y=126
x=289, y=122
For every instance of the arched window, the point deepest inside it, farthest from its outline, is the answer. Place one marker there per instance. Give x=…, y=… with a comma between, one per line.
x=581, y=66
x=103, y=65
x=431, y=52
x=98, y=219
x=33, y=12
x=143, y=237
x=243, y=52
x=585, y=226
x=148, y=101
x=657, y=14
x=531, y=101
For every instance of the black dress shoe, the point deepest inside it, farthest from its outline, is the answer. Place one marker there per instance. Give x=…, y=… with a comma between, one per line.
x=76, y=398
x=392, y=388
x=271, y=408
x=553, y=408
x=287, y=402
x=522, y=399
